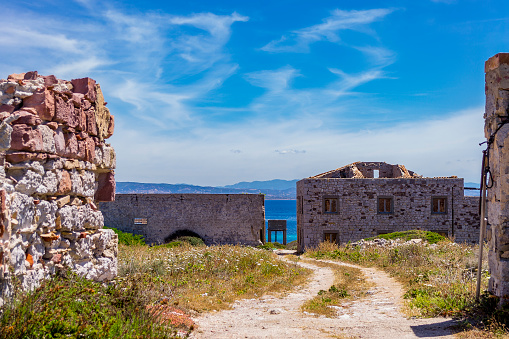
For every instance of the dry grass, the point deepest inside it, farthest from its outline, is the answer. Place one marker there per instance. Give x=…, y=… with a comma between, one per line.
x=439, y=279
x=349, y=283
x=207, y=278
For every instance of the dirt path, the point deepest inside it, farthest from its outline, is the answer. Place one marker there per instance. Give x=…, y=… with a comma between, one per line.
x=376, y=316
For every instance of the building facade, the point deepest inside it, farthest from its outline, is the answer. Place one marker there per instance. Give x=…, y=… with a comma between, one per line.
x=216, y=218
x=365, y=199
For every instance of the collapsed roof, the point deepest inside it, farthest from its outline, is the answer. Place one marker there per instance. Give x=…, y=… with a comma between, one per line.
x=364, y=170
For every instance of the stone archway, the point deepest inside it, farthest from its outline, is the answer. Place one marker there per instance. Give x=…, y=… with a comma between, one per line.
x=183, y=233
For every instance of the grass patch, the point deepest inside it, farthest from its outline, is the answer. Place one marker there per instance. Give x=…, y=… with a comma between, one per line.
x=208, y=278
x=349, y=283
x=128, y=239
x=439, y=279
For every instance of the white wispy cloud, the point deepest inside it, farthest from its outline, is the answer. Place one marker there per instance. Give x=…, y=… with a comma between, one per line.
x=300, y=40
x=445, y=146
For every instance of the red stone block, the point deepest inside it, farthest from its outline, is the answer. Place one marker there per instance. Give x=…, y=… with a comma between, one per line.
x=106, y=187
x=85, y=86
x=7, y=108
x=43, y=101
x=59, y=142
x=71, y=145
x=3, y=196
x=16, y=157
x=50, y=80
x=77, y=98
x=30, y=75
x=89, y=150
x=27, y=118
x=81, y=118
x=91, y=122
x=65, y=184
x=14, y=76
x=81, y=149
x=53, y=125
x=495, y=61
x=64, y=110
x=25, y=138
x=111, y=126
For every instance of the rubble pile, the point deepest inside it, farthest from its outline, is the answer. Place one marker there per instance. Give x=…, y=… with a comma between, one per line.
x=54, y=166
x=385, y=243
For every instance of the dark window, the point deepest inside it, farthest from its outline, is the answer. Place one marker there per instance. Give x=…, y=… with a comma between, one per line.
x=385, y=205
x=439, y=205
x=330, y=205
x=140, y=221
x=331, y=236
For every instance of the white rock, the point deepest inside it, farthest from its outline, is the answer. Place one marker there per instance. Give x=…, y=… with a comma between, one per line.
x=88, y=183
x=77, y=184
x=48, y=141
x=23, y=210
x=50, y=182
x=29, y=183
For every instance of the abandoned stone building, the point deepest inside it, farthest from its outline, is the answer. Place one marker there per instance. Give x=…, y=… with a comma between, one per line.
x=365, y=199
x=215, y=218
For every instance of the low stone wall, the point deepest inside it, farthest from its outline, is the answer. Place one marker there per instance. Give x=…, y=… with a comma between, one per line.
x=54, y=165
x=216, y=218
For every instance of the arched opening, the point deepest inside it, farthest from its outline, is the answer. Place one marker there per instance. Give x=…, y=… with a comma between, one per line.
x=182, y=233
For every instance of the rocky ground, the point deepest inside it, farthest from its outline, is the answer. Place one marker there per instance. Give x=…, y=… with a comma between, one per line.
x=376, y=316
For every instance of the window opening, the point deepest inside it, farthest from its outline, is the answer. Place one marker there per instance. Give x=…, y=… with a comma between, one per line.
x=330, y=205
x=140, y=221
x=376, y=174
x=385, y=205
x=331, y=237
x=439, y=205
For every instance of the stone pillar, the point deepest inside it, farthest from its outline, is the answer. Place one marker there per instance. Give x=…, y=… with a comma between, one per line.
x=54, y=167
x=497, y=134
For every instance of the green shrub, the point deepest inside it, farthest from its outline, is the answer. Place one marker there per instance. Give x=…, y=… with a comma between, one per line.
x=183, y=241
x=128, y=238
x=72, y=307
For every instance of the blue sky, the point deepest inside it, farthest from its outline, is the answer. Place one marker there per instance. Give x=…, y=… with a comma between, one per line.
x=216, y=92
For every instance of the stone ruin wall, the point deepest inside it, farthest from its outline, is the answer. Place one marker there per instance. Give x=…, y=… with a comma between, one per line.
x=55, y=165
x=358, y=218
x=216, y=218
x=497, y=110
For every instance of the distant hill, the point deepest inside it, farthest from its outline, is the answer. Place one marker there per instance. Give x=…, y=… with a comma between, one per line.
x=150, y=188
x=276, y=184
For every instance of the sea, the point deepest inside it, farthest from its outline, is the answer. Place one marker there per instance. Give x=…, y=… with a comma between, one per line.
x=282, y=210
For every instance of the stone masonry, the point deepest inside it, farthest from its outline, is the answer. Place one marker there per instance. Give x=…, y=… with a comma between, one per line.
x=216, y=218
x=497, y=114
x=349, y=204
x=55, y=164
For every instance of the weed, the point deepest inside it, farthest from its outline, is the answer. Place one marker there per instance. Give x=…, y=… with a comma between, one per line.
x=349, y=283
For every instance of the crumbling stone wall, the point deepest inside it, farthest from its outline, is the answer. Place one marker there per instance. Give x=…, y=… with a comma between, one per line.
x=357, y=214
x=54, y=165
x=216, y=218
x=497, y=113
